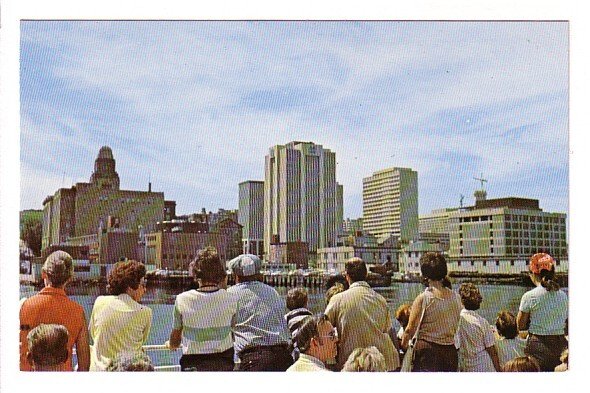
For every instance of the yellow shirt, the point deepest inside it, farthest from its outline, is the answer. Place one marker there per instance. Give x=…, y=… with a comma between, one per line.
x=118, y=324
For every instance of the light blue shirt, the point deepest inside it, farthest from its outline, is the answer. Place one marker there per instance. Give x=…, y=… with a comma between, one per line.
x=259, y=320
x=547, y=309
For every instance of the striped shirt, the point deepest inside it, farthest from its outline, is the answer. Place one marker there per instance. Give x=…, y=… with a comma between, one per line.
x=205, y=319
x=294, y=319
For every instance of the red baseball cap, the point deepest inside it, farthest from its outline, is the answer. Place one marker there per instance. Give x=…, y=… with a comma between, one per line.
x=541, y=261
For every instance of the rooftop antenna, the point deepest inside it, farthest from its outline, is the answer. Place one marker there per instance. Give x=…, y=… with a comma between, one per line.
x=481, y=180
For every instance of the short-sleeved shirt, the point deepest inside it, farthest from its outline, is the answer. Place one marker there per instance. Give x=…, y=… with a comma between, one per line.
x=259, y=320
x=510, y=348
x=205, y=319
x=50, y=305
x=362, y=319
x=118, y=324
x=474, y=335
x=547, y=309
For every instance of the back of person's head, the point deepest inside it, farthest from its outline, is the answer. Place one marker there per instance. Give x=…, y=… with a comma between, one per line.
x=59, y=268
x=207, y=266
x=506, y=324
x=296, y=298
x=433, y=265
x=356, y=269
x=48, y=346
x=125, y=274
x=131, y=361
x=542, y=265
x=522, y=364
x=333, y=290
x=365, y=359
x=336, y=279
x=402, y=314
x=470, y=296
x=308, y=330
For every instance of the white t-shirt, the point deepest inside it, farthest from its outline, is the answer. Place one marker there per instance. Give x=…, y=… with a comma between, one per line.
x=474, y=335
x=206, y=320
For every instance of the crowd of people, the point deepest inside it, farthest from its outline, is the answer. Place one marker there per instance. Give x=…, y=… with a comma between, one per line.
x=246, y=327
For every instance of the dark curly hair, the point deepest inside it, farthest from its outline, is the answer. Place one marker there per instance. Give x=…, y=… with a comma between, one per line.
x=470, y=296
x=433, y=265
x=125, y=274
x=207, y=266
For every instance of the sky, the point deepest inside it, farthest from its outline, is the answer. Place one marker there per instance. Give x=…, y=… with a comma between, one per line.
x=195, y=106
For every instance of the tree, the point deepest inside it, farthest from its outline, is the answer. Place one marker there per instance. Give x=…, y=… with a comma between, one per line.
x=31, y=234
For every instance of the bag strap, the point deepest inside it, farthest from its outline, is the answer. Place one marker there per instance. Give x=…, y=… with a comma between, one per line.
x=425, y=303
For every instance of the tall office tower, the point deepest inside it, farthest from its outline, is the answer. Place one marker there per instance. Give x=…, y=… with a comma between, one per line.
x=390, y=203
x=301, y=202
x=251, y=216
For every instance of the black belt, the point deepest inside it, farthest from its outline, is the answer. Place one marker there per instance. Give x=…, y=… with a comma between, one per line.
x=265, y=348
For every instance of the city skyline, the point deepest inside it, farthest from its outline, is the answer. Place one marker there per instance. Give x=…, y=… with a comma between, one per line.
x=194, y=106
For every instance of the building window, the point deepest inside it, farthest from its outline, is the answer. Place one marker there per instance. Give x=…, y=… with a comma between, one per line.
x=497, y=262
x=485, y=263
x=458, y=263
x=512, y=263
x=472, y=263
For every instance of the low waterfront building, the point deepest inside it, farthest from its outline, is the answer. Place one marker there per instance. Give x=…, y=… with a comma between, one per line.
x=500, y=235
x=289, y=253
x=372, y=250
x=409, y=257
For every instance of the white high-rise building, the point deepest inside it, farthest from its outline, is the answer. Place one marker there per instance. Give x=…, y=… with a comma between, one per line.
x=390, y=203
x=251, y=216
x=301, y=197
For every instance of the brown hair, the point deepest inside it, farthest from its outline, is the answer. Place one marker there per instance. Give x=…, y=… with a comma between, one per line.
x=356, y=269
x=207, y=266
x=296, y=298
x=522, y=364
x=125, y=274
x=402, y=314
x=506, y=324
x=48, y=345
x=433, y=265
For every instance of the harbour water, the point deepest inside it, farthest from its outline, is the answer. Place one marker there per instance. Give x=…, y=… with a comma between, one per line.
x=161, y=300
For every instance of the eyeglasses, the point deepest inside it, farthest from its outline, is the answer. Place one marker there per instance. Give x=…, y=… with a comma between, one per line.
x=333, y=335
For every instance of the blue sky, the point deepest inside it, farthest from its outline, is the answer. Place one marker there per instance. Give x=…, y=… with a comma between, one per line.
x=196, y=105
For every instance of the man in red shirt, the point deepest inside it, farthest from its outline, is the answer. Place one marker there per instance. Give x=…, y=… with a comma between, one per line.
x=52, y=306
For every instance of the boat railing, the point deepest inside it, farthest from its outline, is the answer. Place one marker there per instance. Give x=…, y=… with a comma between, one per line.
x=146, y=349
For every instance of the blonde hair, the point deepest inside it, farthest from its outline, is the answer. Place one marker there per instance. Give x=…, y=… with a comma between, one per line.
x=365, y=359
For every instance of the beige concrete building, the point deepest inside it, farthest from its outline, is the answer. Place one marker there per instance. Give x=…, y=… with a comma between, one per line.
x=301, y=202
x=390, y=203
x=500, y=235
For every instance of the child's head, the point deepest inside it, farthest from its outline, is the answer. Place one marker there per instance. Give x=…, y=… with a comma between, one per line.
x=296, y=298
x=506, y=324
x=333, y=290
x=402, y=314
x=470, y=296
x=522, y=364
